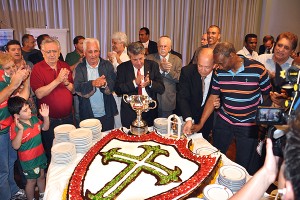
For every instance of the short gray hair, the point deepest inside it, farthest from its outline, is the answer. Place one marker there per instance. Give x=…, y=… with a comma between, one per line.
x=167, y=37
x=121, y=36
x=224, y=48
x=136, y=48
x=90, y=40
x=48, y=41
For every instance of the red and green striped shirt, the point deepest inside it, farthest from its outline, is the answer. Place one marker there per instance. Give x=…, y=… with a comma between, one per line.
x=5, y=117
x=31, y=153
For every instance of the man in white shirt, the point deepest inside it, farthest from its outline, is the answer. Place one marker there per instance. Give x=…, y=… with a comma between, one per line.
x=119, y=53
x=116, y=57
x=248, y=50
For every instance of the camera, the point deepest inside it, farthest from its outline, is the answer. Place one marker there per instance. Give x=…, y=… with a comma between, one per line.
x=270, y=116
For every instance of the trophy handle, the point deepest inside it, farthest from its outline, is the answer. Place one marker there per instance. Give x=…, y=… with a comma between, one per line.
x=125, y=96
x=155, y=104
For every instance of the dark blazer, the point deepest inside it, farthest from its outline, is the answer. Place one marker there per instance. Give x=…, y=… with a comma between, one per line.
x=189, y=97
x=176, y=54
x=262, y=49
x=85, y=89
x=152, y=47
x=124, y=85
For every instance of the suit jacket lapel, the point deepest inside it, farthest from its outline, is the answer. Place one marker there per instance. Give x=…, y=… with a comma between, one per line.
x=146, y=68
x=84, y=71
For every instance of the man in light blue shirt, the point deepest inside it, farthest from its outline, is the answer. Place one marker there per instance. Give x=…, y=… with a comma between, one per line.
x=94, y=82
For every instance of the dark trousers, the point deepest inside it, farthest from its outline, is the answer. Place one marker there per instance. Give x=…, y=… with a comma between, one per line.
x=108, y=123
x=48, y=136
x=246, y=141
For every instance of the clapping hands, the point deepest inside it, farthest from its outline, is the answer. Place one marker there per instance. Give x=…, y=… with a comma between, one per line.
x=165, y=65
x=63, y=75
x=100, y=82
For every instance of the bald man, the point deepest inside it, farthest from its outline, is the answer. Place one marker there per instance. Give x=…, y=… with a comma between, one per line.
x=194, y=88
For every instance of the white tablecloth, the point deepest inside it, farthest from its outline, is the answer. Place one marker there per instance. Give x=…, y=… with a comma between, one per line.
x=58, y=175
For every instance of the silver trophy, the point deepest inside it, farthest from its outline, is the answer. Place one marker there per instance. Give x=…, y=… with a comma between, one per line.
x=140, y=104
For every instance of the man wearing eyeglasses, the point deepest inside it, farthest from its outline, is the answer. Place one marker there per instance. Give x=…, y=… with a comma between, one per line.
x=51, y=81
x=94, y=83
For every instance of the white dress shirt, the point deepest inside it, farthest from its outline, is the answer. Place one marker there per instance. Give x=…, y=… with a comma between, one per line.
x=244, y=51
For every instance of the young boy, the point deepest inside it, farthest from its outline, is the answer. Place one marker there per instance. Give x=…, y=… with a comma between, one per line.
x=25, y=133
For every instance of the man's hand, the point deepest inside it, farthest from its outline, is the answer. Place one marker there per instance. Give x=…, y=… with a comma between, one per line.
x=111, y=56
x=217, y=103
x=278, y=99
x=44, y=110
x=19, y=76
x=146, y=81
x=165, y=65
x=196, y=128
x=271, y=162
x=99, y=82
x=187, y=127
x=63, y=75
x=139, y=79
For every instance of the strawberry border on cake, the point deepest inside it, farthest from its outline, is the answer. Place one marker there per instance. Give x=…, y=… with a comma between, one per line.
x=206, y=165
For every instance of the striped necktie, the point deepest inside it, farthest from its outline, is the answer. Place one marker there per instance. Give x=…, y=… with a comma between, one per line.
x=139, y=86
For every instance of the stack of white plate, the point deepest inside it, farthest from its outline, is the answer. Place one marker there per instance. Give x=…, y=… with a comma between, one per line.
x=232, y=177
x=216, y=192
x=82, y=138
x=161, y=125
x=63, y=153
x=95, y=126
x=61, y=132
x=207, y=151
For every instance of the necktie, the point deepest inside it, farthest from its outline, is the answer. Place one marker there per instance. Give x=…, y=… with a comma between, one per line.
x=268, y=51
x=139, y=86
x=203, y=84
x=164, y=60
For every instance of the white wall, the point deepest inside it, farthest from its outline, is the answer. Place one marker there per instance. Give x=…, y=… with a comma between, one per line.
x=280, y=16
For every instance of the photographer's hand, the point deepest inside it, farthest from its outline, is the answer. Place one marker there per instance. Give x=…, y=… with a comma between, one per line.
x=259, y=183
x=278, y=99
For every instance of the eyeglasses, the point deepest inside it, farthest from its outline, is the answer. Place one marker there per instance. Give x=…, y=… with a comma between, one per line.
x=50, y=51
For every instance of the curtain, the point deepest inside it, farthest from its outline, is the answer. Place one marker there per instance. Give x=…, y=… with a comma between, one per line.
x=183, y=20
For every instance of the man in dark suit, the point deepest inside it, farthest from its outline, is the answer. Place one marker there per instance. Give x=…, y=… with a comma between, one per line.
x=149, y=45
x=194, y=89
x=267, y=46
x=169, y=67
x=138, y=76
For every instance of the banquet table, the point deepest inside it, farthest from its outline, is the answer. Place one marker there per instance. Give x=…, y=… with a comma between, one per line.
x=59, y=175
